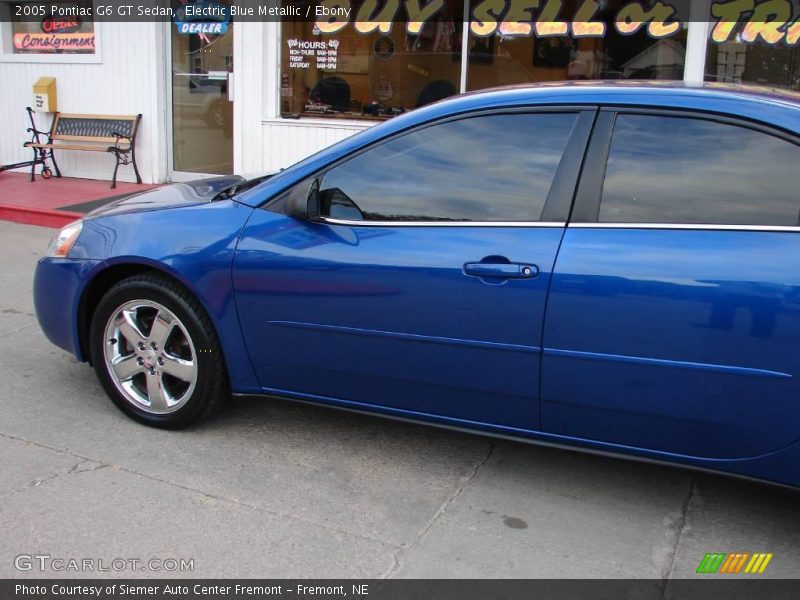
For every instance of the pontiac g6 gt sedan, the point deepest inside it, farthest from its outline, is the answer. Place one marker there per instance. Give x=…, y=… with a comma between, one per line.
x=609, y=267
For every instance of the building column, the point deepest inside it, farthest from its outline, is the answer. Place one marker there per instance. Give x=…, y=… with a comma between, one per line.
x=251, y=60
x=697, y=42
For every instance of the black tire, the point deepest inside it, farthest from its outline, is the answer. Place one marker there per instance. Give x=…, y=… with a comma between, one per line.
x=211, y=389
x=46, y=173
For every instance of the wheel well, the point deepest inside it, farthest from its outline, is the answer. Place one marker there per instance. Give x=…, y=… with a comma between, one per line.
x=95, y=290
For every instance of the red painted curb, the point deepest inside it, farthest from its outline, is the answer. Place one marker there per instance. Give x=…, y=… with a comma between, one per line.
x=37, y=216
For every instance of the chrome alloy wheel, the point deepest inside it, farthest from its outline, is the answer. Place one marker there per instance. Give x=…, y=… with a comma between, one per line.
x=150, y=356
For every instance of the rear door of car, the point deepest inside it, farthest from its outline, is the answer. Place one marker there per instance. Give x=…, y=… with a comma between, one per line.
x=673, y=321
x=422, y=287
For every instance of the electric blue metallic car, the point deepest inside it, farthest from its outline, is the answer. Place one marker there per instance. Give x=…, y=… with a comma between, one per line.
x=614, y=267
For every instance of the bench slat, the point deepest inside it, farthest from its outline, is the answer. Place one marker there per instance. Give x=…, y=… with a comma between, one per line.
x=84, y=138
x=108, y=117
x=92, y=147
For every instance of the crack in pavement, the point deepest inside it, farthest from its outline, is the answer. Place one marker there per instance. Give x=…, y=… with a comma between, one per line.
x=18, y=329
x=274, y=513
x=39, y=482
x=666, y=573
x=397, y=558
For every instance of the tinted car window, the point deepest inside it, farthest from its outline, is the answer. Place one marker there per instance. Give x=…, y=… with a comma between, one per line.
x=686, y=170
x=488, y=168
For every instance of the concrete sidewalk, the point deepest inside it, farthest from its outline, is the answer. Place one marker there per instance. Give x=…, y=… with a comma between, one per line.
x=277, y=489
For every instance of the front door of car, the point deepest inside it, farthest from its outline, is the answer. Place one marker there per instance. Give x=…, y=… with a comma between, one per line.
x=421, y=287
x=673, y=322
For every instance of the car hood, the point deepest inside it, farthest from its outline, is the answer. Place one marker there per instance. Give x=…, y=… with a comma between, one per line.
x=171, y=196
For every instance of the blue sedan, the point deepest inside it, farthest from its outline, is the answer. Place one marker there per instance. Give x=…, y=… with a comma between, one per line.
x=611, y=267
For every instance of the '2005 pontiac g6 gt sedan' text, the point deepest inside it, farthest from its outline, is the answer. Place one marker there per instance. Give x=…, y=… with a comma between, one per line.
x=609, y=267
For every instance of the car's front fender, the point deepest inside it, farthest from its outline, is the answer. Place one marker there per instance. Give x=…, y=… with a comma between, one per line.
x=193, y=244
x=58, y=285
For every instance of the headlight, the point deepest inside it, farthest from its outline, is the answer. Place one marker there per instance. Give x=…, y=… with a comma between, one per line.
x=62, y=243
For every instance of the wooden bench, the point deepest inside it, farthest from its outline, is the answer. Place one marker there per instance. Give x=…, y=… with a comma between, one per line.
x=93, y=133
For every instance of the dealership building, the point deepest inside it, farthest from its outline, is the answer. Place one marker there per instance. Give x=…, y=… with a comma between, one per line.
x=229, y=94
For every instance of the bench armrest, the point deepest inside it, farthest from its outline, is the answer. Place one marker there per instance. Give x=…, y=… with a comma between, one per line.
x=34, y=130
x=121, y=137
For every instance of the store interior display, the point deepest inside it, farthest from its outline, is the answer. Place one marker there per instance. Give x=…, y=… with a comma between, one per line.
x=352, y=75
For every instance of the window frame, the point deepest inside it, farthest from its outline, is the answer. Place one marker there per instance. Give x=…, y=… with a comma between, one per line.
x=588, y=196
x=558, y=203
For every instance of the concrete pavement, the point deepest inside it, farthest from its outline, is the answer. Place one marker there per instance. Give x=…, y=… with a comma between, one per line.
x=276, y=489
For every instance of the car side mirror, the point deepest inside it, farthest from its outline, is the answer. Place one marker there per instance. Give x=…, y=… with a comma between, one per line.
x=314, y=202
x=303, y=202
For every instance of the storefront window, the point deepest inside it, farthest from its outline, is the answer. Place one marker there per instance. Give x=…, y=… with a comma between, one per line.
x=758, y=63
x=339, y=71
x=506, y=57
x=736, y=62
x=757, y=46
x=377, y=61
x=72, y=33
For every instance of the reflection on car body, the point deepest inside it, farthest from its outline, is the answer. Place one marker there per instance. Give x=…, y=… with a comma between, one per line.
x=611, y=267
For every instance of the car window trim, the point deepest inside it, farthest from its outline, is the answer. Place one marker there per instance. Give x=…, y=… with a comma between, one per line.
x=586, y=208
x=332, y=221
x=559, y=200
x=558, y=205
x=586, y=211
x=688, y=226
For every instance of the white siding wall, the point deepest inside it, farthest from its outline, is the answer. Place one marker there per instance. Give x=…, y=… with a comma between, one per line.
x=287, y=141
x=128, y=80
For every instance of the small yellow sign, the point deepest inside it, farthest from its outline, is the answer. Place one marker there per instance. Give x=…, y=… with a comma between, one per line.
x=44, y=95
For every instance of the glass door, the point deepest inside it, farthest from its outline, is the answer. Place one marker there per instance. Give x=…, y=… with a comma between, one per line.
x=202, y=109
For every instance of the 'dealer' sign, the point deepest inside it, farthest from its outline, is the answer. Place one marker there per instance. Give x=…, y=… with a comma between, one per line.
x=202, y=17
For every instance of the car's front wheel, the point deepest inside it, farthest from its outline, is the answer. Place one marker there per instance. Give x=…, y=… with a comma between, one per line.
x=156, y=352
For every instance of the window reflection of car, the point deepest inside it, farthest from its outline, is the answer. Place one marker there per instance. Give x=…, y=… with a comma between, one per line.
x=202, y=96
x=339, y=205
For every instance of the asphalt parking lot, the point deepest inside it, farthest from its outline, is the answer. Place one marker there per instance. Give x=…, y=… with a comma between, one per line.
x=276, y=489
